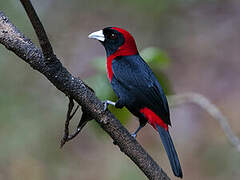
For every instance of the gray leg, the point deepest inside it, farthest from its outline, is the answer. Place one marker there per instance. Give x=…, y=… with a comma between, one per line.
x=138, y=129
x=106, y=103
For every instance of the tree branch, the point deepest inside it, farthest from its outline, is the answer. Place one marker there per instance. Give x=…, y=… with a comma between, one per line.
x=39, y=29
x=204, y=103
x=74, y=87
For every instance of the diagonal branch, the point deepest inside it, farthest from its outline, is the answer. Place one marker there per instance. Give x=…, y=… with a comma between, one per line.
x=74, y=87
x=204, y=103
x=38, y=28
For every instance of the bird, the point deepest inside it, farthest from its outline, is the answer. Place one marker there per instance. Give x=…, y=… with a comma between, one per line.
x=136, y=87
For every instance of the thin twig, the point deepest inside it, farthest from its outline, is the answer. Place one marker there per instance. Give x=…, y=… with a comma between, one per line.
x=83, y=121
x=66, y=136
x=86, y=116
x=204, y=103
x=74, y=112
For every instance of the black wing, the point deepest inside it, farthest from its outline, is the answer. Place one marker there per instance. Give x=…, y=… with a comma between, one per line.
x=135, y=75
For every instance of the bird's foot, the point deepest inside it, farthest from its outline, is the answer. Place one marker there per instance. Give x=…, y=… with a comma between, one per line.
x=106, y=103
x=134, y=135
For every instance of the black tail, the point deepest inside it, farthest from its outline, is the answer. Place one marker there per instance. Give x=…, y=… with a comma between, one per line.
x=171, y=152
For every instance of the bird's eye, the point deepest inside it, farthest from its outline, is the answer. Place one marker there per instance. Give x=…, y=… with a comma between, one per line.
x=112, y=36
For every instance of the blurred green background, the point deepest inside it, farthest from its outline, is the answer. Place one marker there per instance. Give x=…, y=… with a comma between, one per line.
x=192, y=45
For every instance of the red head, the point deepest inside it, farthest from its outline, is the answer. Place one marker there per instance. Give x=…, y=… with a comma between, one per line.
x=116, y=41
